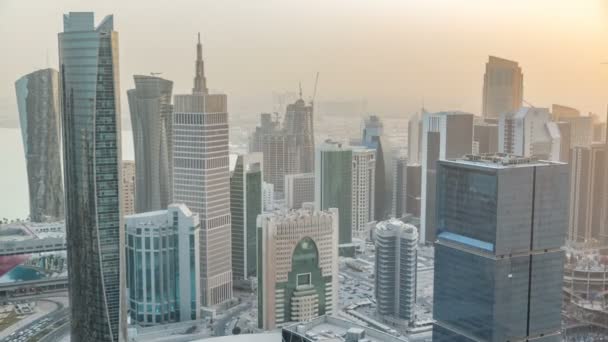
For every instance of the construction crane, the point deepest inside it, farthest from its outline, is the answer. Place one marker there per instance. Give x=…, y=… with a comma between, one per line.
x=314, y=92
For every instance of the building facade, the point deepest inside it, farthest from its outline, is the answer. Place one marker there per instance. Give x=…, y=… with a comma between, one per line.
x=485, y=136
x=201, y=179
x=399, y=208
x=88, y=59
x=502, y=221
x=445, y=135
x=333, y=186
x=128, y=187
x=163, y=266
x=372, y=137
x=38, y=104
x=363, y=189
x=151, y=109
x=297, y=266
x=396, y=267
x=245, y=206
x=299, y=127
x=299, y=188
x=529, y=132
x=503, y=87
x=413, y=187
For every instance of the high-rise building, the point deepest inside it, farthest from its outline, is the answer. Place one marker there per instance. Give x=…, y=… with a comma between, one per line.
x=363, y=186
x=559, y=112
x=399, y=208
x=275, y=148
x=395, y=271
x=445, y=135
x=299, y=128
x=163, y=266
x=529, y=132
x=297, y=266
x=501, y=222
x=128, y=187
x=414, y=136
x=485, y=135
x=299, y=188
x=581, y=131
x=587, y=182
x=413, y=189
x=267, y=126
x=201, y=179
x=503, y=87
x=150, y=107
x=88, y=59
x=371, y=137
x=245, y=206
x=565, y=144
x=267, y=196
x=333, y=184
x=38, y=103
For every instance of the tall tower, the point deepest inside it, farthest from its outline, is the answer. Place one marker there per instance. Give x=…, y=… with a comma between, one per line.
x=502, y=222
x=150, y=107
x=363, y=186
x=38, y=102
x=503, y=87
x=201, y=180
x=88, y=59
x=200, y=82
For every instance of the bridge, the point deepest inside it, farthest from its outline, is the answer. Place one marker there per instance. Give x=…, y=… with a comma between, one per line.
x=50, y=244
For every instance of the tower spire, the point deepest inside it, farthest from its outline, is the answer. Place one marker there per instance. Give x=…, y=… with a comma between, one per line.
x=200, y=82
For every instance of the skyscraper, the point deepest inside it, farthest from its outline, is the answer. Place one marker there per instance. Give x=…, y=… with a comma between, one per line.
x=297, y=266
x=371, y=137
x=299, y=188
x=333, y=186
x=245, y=206
x=503, y=87
x=485, y=135
x=587, y=186
x=201, y=179
x=498, y=259
x=363, y=186
x=399, y=208
x=396, y=266
x=150, y=106
x=128, y=187
x=413, y=188
x=414, y=137
x=529, y=132
x=300, y=131
x=38, y=103
x=88, y=59
x=445, y=135
x=163, y=265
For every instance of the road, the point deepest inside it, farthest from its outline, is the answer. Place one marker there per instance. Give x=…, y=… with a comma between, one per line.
x=37, y=329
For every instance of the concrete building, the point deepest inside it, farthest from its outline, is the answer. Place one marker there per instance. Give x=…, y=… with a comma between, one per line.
x=299, y=128
x=395, y=271
x=559, y=112
x=201, y=179
x=245, y=205
x=413, y=189
x=151, y=110
x=588, y=180
x=399, y=208
x=445, y=135
x=332, y=329
x=88, y=57
x=372, y=137
x=38, y=104
x=275, y=148
x=485, y=137
x=529, y=132
x=333, y=184
x=267, y=196
x=414, y=138
x=297, y=266
x=267, y=126
x=502, y=222
x=565, y=144
x=363, y=189
x=128, y=187
x=299, y=188
x=503, y=87
x=581, y=131
x=163, y=266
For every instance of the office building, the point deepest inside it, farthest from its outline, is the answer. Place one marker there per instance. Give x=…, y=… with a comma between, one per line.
x=445, y=135
x=413, y=189
x=565, y=144
x=245, y=206
x=414, y=136
x=299, y=188
x=299, y=129
x=275, y=148
x=395, y=271
x=201, y=179
x=503, y=87
x=38, y=104
x=88, y=57
x=587, y=191
x=581, y=131
x=151, y=109
x=333, y=184
x=297, y=266
x=128, y=187
x=502, y=222
x=559, y=112
x=399, y=208
x=163, y=266
x=485, y=137
x=333, y=329
x=372, y=137
x=267, y=196
x=267, y=126
x=363, y=186
x=529, y=132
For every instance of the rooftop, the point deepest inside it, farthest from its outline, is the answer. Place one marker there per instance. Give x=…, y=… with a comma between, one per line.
x=332, y=329
x=500, y=161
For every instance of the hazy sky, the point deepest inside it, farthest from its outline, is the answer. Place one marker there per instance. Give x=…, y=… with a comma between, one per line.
x=394, y=53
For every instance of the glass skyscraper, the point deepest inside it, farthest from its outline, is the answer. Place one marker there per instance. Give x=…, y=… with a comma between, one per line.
x=88, y=58
x=498, y=259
